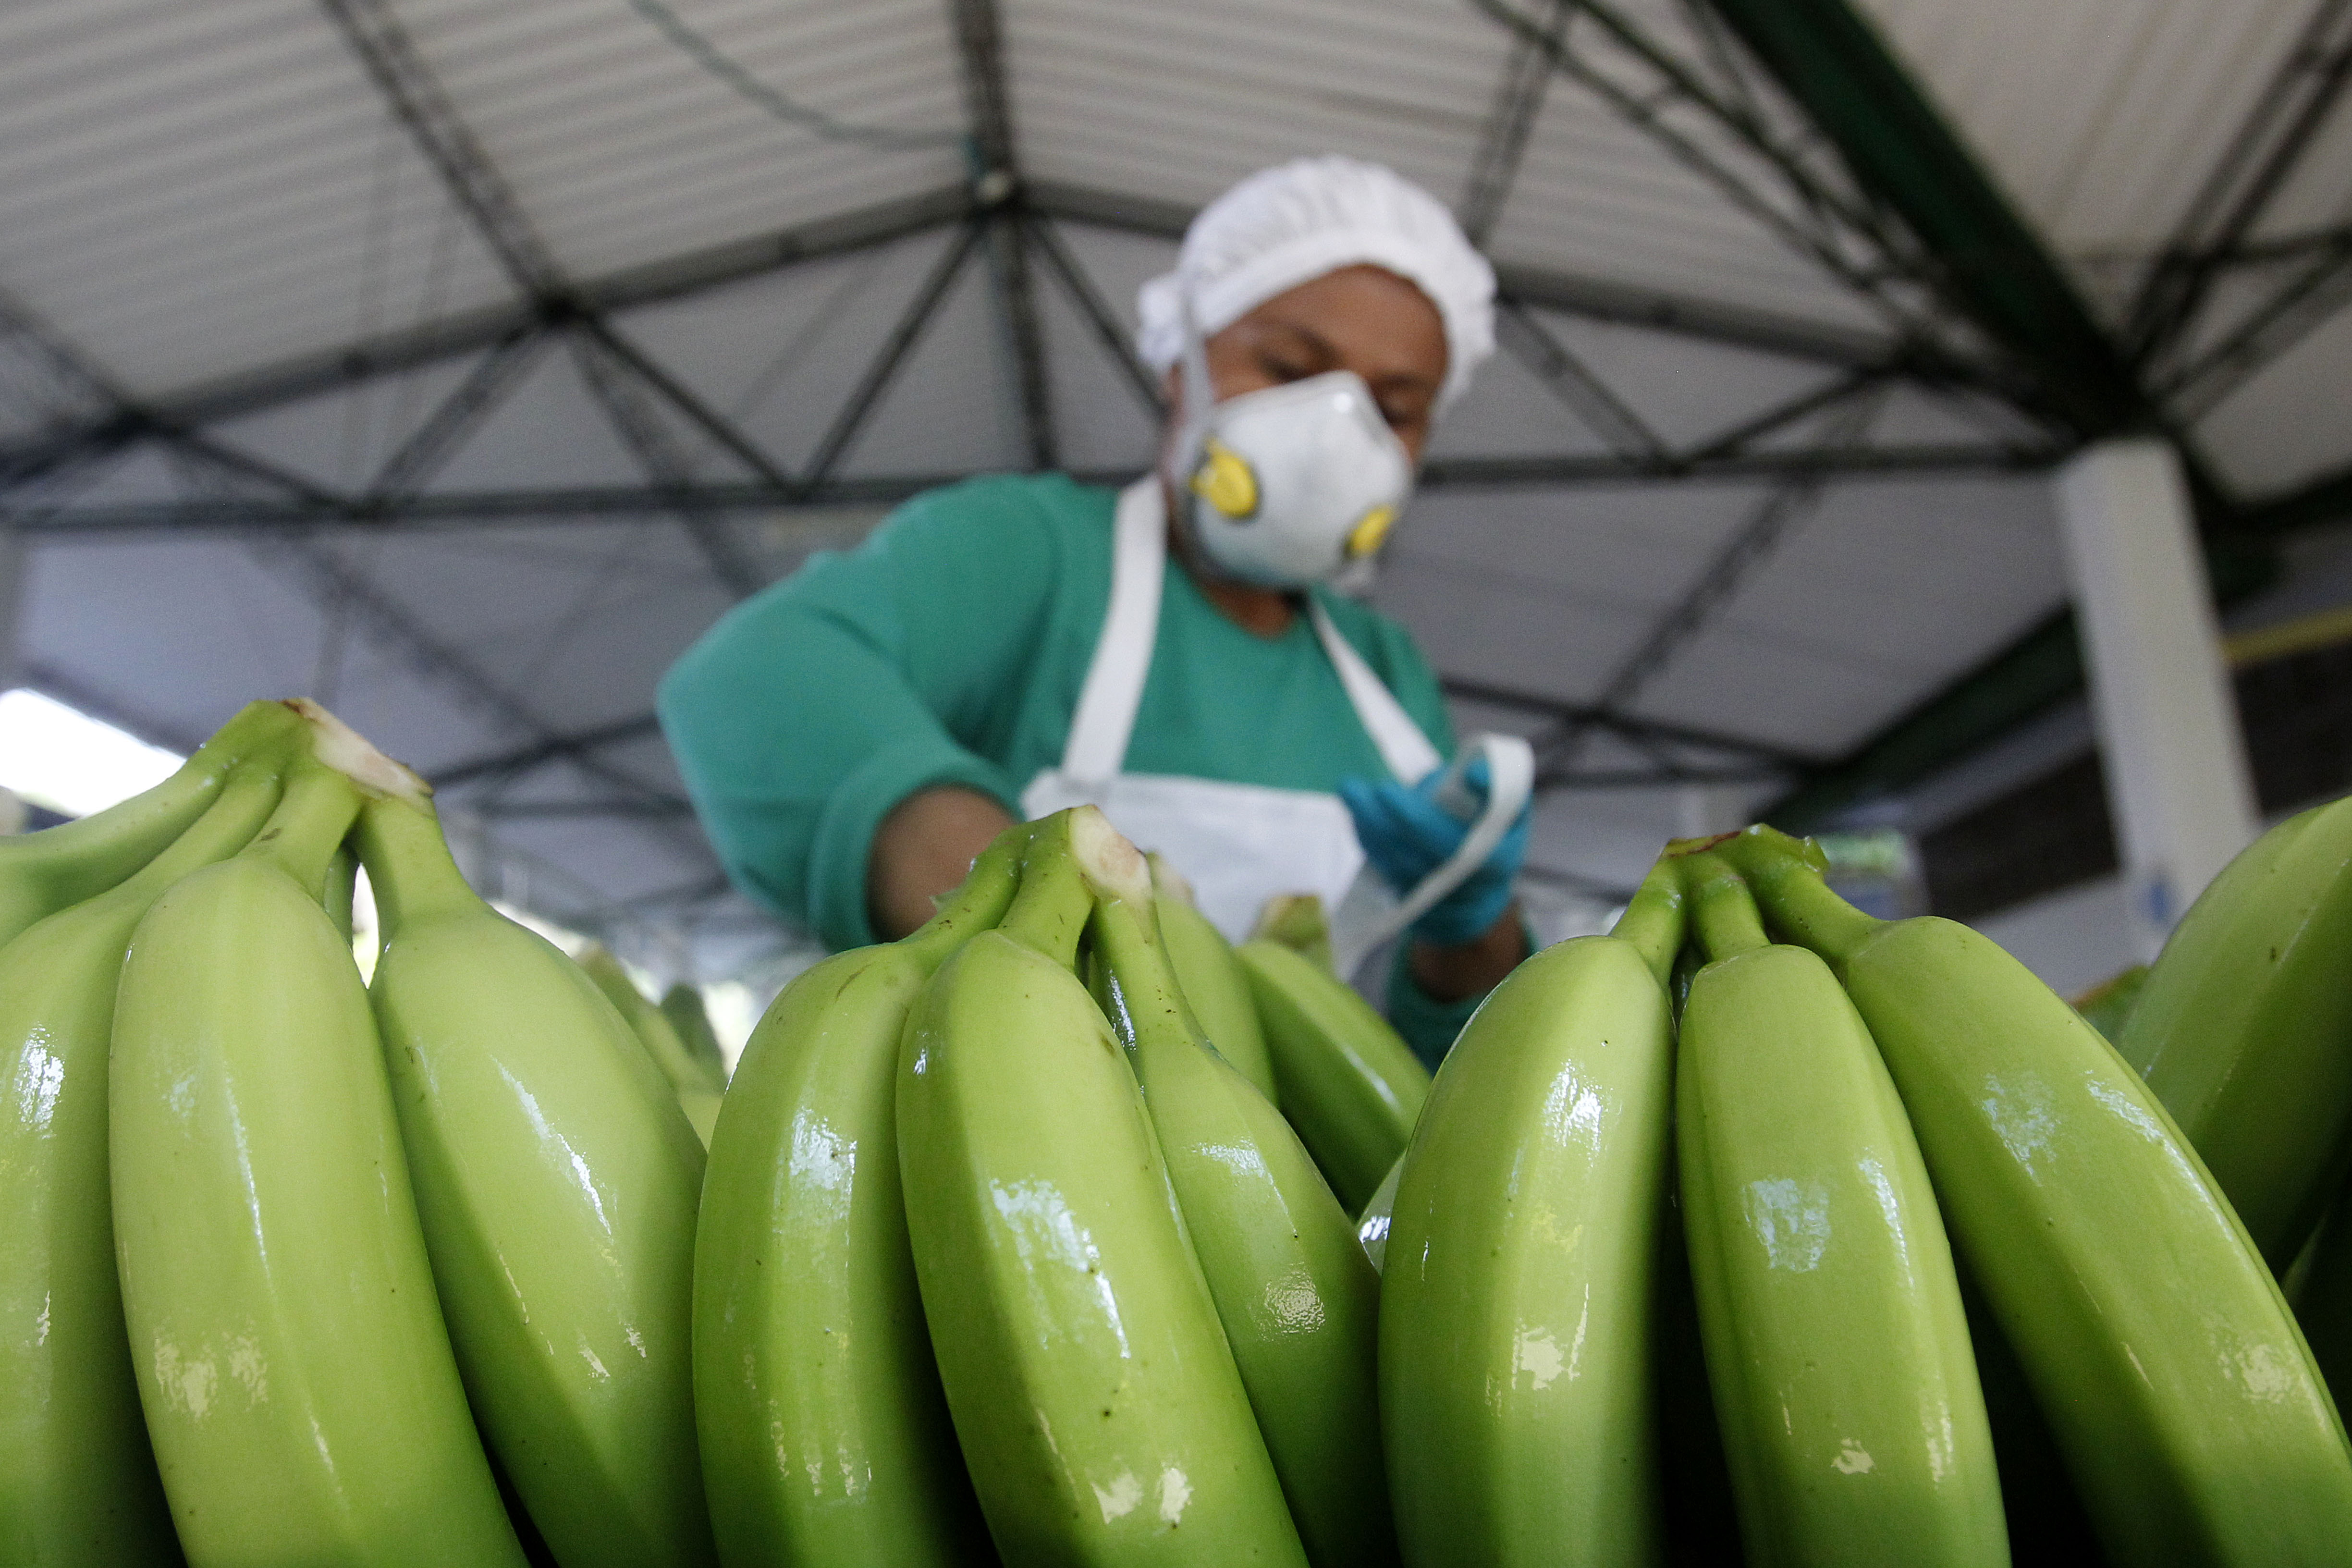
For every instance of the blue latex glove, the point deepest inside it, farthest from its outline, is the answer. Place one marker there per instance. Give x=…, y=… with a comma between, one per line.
x=1406, y=835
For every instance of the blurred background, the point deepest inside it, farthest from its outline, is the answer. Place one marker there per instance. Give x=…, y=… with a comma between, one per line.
x=459, y=364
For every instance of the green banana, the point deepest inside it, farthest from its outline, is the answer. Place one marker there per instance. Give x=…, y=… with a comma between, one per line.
x=1097, y=1406
x=41, y=873
x=1836, y=1339
x=295, y=1371
x=2244, y=1028
x=78, y=1483
x=1345, y=1079
x=682, y=1004
x=1298, y=921
x=825, y=1434
x=556, y=1180
x=1211, y=977
x=1298, y=1297
x=2154, y=1338
x=1517, y=1294
x=654, y=1030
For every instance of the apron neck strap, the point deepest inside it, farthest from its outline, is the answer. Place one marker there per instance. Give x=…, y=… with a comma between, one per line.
x=1096, y=751
x=1403, y=746
x=1114, y=689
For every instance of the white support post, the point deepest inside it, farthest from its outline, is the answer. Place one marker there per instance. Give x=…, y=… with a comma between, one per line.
x=2177, y=782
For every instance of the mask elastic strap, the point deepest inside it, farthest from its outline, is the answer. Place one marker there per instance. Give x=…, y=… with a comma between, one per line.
x=1200, y=396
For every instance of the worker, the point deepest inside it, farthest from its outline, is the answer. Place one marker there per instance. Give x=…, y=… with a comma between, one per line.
x=1002, y=647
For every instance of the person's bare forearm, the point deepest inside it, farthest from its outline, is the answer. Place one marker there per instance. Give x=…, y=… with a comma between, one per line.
x=923, y=848
x=1456, y=974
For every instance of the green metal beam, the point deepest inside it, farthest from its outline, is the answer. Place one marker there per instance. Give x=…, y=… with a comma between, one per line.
x=1992, y=266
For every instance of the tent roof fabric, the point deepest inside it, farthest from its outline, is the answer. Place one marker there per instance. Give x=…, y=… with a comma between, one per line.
x=1673, y=497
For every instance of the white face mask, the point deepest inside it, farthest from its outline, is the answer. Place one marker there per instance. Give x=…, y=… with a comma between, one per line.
x=1289, y=485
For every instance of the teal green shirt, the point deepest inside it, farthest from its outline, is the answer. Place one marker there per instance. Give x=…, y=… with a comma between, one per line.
x=949, y=649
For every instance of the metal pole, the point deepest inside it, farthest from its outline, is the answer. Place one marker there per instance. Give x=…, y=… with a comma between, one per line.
x=2178, y=781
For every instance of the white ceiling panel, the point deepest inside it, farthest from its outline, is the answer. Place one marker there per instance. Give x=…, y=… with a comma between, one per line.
x=2265, y=437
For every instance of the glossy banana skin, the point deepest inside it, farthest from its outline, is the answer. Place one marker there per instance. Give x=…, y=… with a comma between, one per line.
x=1835, y=1338
x=1296, y=1296
x=1372, y=1224
x=2244, y=1027
x=1344, y=1079
x=2155, y=1339
x=41, y=873
x=1095, y=1399
x=818, y=1400
x=557, y=1181
x=827, y=1434
x=1516, y=1290
x=78, y=1482
x=1215, y=988
x=297, y=1378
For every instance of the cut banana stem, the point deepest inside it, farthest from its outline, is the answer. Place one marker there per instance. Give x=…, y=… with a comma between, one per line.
x=1344, y=1079
x=1097, y=1407
x=78, y=1482
x=2244, y=1027
x=825, y=1435
x=1298, y=922
x=295, y=1374
x=41, y=873
x=1517, y=1287
x=2155, y=1338
x=1296, y=1296
x=1835, y=1340
x=556, y=1181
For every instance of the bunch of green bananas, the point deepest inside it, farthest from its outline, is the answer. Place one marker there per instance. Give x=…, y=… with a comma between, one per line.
x=1062, y=1232
x=1939, y=1240
x=296, y=1269
x=994, y=1263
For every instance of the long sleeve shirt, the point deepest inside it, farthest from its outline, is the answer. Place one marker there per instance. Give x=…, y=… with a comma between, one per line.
x=949, y=649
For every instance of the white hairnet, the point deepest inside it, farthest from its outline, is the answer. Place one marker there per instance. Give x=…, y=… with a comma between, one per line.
x=1297, y=221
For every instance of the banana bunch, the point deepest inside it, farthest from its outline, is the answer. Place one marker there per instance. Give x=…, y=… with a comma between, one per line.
x=2155, y=1342
x=1928, y=1236
x=1062, y=1232
x=993, y=1265
x=295, y=1270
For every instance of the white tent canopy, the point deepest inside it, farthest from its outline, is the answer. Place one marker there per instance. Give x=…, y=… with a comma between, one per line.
x=459, y=364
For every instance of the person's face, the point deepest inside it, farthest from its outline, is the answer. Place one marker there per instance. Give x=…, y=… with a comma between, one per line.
x=1363, y=319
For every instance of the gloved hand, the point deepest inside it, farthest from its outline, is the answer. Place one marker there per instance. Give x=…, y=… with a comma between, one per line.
x=1406, y=835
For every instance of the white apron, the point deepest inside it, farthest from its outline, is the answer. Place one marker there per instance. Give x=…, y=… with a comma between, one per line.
x=1239, y=844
